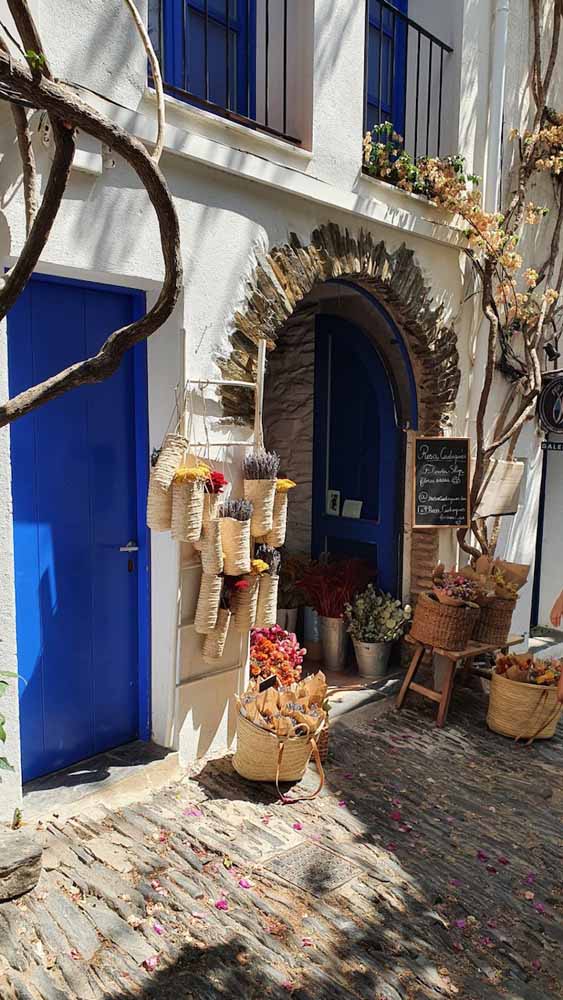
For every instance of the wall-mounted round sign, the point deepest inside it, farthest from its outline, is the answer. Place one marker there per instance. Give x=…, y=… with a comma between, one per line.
x=550, y=405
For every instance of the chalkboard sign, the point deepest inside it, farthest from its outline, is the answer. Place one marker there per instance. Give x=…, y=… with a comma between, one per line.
x=441, y=482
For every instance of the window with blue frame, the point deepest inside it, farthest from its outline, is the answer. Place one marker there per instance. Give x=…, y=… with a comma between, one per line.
x=208, y=52
x=386, y=50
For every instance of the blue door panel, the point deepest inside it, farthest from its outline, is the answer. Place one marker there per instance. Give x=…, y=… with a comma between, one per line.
x=357, y=449
x=74, y=496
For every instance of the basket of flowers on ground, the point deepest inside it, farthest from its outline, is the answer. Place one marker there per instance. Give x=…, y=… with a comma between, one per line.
x=447, y=617
x=280, y=717
x=523, y=700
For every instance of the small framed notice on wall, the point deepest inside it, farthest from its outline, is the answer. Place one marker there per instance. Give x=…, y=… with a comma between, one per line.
x=442, y=480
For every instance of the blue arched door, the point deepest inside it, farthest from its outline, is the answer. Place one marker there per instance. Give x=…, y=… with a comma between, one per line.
x=357, y=452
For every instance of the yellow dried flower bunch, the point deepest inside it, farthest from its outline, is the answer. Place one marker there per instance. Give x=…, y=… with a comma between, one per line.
x=283, y=485
x=192, y=473
x=258, y=566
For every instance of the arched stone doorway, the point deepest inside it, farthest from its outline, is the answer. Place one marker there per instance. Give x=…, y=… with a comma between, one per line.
x=292, y=284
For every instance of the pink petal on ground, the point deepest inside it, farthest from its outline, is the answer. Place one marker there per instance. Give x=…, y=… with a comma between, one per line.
x=450, y=819
x=492, y=924
x=391, y=846
x=481, y=856
x=396, y=816
x=460, y=924
x=297, y=826
x=457, y=946
x=287, y=985
x=158, y=928
x=306, y=942
x=342, y=804
x=530, y=878
x=192, y=811
x=221, y=904
x=315, y=836
x=266, y=820
x=487, y=942
x=348, y=775
x=151, y=963
x=539, y=907
x=492, y=870
x=503, y=861
x=396, y=802
x=245, y=884
x=536, y=965
x=455, y=882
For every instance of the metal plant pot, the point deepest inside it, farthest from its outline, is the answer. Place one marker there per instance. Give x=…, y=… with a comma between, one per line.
x=372, y=658
x=334, y=638
x=287, y=618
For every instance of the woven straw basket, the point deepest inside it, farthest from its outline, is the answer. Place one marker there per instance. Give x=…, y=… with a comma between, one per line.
x=524, y=711
x=187, y=510
x=171, y=454
x=214, y=642
x=211, y=549
x=235, y=539
x=262, y=493
x=494, y=622
x=322, y=743
x=276, y=537
x=159, y=506
x=442, y=625
x=267, y=609
x=211, y=504
x=244, y=605
x=207, y=609
x=263, y=756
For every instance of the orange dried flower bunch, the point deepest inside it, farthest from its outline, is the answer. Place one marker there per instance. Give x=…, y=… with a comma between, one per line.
x=526, y=669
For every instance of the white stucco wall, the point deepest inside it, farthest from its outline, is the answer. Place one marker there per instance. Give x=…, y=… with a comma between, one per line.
x=237, y=193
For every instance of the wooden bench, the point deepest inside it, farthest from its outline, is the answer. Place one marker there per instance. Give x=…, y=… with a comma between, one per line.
x=463, y=657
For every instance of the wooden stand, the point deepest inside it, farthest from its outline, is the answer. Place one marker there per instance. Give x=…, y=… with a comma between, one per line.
x=463, y=657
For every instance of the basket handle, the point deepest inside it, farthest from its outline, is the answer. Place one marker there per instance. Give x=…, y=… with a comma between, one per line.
x=286, y=800
x=542, y=698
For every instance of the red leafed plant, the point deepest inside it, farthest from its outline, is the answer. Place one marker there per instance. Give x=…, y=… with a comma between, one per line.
x=329, y=586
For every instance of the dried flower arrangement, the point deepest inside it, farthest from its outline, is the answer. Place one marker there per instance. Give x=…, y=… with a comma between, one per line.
x=273, y=651
x=527, y=669
x=192, y=474
x=374, y=616
x=456, y=589
x=261, y=464
x=296, y=710
x=240, y=510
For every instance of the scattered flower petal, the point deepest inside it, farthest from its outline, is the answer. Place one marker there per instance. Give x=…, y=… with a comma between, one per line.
x=396, y=816
x=530, y=878
x=457, y=946
x=192, y=811
x=487, y=942
x=455, y=882
x=221, y=904
x=492, y=924
x=298, y=826
x=245, y=884
x=503, y=861
x=158, y=929
x=492, y=870
x=391, y=846
x=348, y=775
x=266, y=820
x=539, y=907
x=306, y=942
x=481, y=856
x=536, y=965
x=342, y=804
x=151, y=963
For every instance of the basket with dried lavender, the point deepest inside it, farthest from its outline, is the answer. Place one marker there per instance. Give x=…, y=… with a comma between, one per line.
x=260, y=471
x=234, y=516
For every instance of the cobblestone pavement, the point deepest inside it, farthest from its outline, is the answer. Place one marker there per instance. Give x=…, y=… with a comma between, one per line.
x=455, y=841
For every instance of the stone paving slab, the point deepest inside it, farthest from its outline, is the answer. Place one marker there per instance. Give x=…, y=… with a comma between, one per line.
x=455, y=839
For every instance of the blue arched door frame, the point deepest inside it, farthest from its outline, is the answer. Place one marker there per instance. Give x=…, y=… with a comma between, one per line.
x=395, y=411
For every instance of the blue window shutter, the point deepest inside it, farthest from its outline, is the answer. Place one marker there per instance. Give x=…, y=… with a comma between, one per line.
x=221, y=72
x=386, y=55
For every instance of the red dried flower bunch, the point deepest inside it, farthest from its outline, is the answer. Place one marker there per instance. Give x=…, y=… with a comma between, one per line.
x=215, y=483
x=330, y=586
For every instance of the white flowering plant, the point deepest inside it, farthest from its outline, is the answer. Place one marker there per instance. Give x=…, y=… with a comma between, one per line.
x=374, y=616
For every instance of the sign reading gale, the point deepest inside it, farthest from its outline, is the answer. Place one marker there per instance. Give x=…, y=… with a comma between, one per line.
x=441, y=483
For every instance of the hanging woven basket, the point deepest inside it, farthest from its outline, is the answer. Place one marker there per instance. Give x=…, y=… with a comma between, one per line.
x=263, y=756
x=207, y=610
x=211, y=505
x=267, y=608
x=442, y=625
x=244, y=605
x=495, y=619
x=214, y=642
x=276, y=537
x=235, y=539
x=159, y=506
x=210, y=548
x=187, y=509
x=523, y=711
x=261, y=492
x=171, y=454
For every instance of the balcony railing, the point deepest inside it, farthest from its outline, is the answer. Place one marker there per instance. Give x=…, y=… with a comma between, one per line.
x=231, y=57
x=404, y=77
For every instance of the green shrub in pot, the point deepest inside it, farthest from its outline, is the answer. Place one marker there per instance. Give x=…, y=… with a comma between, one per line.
x=375, y=620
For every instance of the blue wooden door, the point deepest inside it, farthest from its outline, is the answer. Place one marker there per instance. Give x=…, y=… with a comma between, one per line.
x=357, y=451
x=74, y=487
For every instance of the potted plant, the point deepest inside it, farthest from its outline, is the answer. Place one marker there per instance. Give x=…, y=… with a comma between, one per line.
x=329, y=586
x=375, y=620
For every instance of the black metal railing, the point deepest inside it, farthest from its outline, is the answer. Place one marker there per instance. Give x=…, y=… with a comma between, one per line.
x=404, y=78
x=230, y=57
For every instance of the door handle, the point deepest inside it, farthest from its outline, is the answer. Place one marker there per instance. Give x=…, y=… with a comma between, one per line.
x=130, y=547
